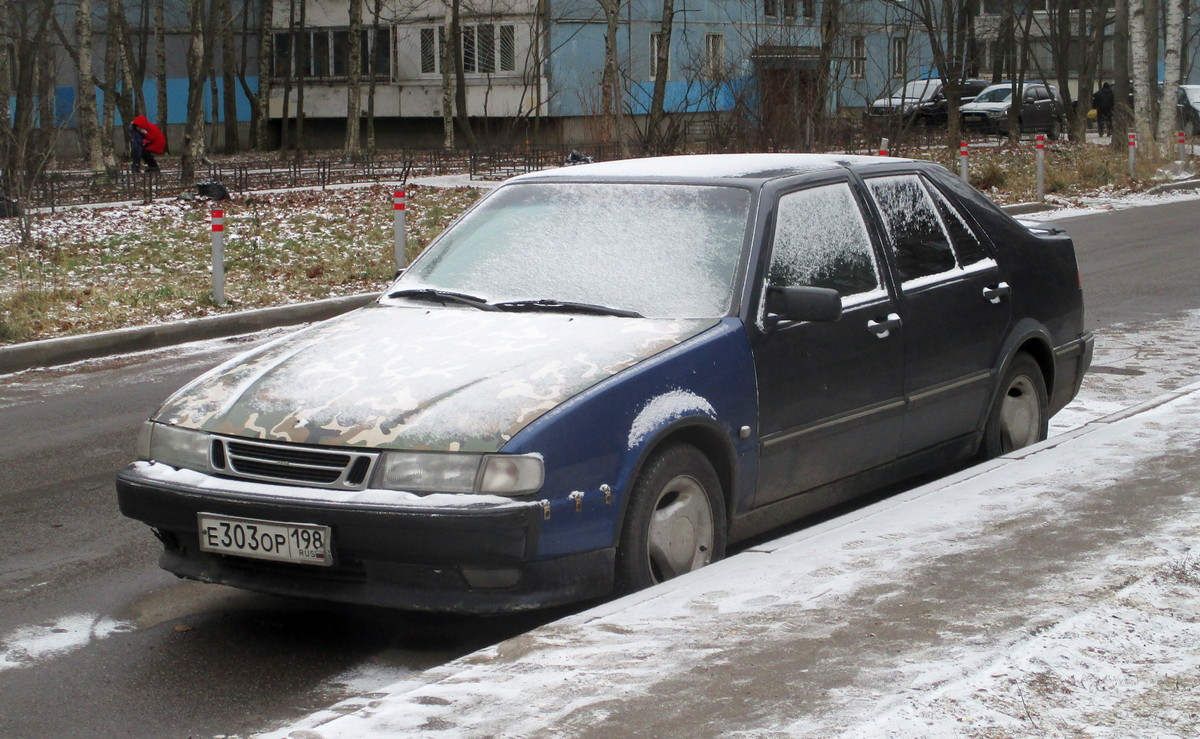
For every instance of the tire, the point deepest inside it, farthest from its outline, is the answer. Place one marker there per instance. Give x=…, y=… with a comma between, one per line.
x=674, y=521
x=1055, y=129
x=1019, y=414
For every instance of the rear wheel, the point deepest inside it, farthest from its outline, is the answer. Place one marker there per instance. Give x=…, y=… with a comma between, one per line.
x=1019, y=415
x=1055, y=129
x=675, y=520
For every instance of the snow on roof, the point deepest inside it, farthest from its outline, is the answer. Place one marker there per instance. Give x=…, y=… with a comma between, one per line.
x=703, y=166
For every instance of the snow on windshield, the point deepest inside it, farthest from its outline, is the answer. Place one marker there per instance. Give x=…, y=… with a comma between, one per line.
x=994, y=95
x=918, y=89
x=660, y=250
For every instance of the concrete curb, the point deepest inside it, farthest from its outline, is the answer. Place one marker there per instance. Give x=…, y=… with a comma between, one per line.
x=50, y=352
x=1192, y=184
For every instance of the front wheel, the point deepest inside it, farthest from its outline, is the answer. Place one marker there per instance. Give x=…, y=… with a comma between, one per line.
x=674, y=522
x=1019, y=415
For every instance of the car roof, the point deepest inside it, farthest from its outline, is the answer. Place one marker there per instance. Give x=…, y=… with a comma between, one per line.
x=696, y=167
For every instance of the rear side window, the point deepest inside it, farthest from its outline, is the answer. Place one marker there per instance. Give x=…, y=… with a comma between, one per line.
x=966, y=244
x=821, y=240
x=919, y=242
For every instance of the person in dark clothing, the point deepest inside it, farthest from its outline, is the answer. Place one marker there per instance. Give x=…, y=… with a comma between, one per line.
x=145, y=140
x=1103, y=102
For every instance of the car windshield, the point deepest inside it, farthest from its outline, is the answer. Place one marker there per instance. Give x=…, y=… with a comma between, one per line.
x=917, y=89
x=655, y=250
x=995, y=95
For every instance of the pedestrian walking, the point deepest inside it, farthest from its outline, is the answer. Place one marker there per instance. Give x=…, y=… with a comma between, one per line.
x=1103, y=102
x=145, y=140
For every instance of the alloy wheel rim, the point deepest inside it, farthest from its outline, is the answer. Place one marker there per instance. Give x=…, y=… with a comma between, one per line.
x=1020, y=415
x=680, y=537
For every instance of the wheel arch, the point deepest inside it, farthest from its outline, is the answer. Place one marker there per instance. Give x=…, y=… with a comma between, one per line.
x=701, y=432
x=1034, y=340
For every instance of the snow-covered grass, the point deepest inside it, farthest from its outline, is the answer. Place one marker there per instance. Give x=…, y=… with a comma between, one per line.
x=1007, y=173
x=91, y=269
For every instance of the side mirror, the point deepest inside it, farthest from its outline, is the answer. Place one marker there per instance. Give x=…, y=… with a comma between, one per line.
x=818, y=304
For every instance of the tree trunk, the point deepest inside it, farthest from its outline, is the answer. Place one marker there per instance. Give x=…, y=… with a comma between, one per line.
x=654, y=126
x=160, y=65
x=460, y=78
x=108, y=108
x=610, y=91
x=376, y=11
x=197, y=71
x=266, y=71
x=89, y=130
x=1122, y=115
x=353, y=148
x=1172, y=58
x=302, y=53
x=1139, y=50
x=228, y=54
x=446, y=50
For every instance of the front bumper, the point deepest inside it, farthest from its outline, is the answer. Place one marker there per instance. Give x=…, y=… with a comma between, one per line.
x=465, y=560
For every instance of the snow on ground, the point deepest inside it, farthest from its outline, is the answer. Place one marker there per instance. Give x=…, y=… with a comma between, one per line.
x=29, y=645
x=1103, y=202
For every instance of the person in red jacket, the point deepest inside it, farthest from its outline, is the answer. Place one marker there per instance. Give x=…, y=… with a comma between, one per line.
x=145, y=140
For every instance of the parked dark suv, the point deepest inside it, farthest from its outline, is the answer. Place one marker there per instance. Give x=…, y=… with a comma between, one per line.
x=602, y=374
x=921, y=102
x=1041, y=110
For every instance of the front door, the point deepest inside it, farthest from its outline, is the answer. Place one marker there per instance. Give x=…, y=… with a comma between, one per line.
x=830, y=394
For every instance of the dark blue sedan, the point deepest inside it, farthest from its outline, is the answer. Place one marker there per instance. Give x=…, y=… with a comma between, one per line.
x=601, y=375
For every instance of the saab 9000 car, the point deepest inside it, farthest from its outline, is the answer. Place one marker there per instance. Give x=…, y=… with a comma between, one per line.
x=601, y=375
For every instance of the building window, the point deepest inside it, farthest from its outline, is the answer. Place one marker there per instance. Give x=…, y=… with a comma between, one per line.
x=789, y=8
x=770, y=8
x=858, y=57
x=899, y=56
x=508, y=48
x=486, y=48
x=714, y=55
x=655, y=40
x=430, y=49
x=324, y=53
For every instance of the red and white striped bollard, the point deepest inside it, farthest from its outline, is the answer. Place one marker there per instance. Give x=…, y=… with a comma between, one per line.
x=1132, y=156
x=962, y=160
x=398, y=200
x=218, y=257
x=1041, y=167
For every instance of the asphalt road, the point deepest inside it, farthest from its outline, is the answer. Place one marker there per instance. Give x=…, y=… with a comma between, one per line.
x=156, y=656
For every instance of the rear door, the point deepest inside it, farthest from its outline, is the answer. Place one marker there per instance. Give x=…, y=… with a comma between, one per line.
x=955, y=306
x=830, y=394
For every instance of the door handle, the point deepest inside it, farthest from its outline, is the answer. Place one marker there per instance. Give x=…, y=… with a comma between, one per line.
x=994, y=293
x=882, y=328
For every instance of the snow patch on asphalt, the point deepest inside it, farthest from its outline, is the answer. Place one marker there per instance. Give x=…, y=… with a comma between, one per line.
x=30, y=645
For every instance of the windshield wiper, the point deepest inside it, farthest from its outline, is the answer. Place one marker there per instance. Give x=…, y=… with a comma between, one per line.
x=569, y=306
x=444, y=296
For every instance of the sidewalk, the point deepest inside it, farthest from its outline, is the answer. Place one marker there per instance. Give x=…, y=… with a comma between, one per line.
x=1052, y=592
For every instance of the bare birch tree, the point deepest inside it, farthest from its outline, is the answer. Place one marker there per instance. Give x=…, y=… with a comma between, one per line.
x=1140, y=27
x=1176, y=14
x=89, y=128
x=197, y=71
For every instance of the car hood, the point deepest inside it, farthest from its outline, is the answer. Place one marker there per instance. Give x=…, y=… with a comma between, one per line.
x=984, y=107
x=442, y=379
x=897, y=102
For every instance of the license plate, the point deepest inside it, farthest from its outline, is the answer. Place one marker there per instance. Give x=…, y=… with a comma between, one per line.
x=302, y=543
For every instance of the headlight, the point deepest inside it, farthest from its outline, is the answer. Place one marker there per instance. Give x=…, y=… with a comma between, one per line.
x=174, y=446
x=997, y=113
x=449, y=472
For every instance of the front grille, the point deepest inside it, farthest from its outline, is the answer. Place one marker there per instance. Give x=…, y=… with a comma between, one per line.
x=290, y=463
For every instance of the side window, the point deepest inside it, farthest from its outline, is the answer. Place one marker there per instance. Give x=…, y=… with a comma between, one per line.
x=919, y=243
x=821, y=240
x=966, y=243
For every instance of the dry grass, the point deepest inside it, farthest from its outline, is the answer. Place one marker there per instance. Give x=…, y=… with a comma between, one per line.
x=94, y=269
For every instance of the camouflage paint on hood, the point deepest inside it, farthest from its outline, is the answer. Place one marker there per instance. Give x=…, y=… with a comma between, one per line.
x=416, y=378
